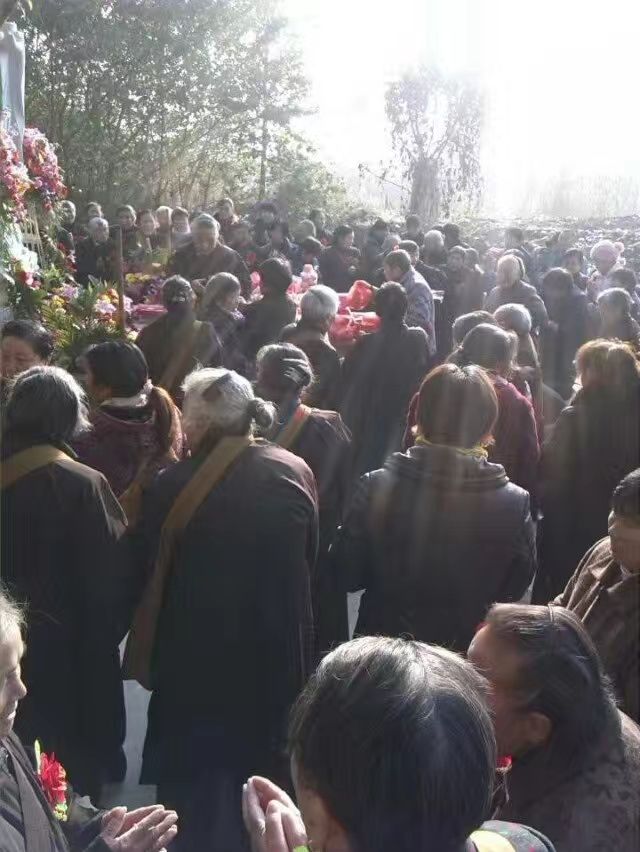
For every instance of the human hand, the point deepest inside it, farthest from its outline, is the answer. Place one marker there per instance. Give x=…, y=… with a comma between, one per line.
x=144, y=830
x=272, y=820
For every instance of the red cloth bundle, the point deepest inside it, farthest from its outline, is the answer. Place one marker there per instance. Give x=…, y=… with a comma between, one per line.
x=360, y=296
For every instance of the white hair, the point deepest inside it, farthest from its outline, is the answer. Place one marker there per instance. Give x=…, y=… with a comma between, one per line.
x=319, y=304
x=516, y=317
x=391, y=241
x=433, y=238
x=231, y=410
x=97, y=221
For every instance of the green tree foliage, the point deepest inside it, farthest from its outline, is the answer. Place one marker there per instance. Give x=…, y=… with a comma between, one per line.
x=435, y=124
x=174, y=101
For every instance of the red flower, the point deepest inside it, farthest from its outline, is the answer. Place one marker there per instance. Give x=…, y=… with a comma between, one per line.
x=504, y=763
x=53, y=779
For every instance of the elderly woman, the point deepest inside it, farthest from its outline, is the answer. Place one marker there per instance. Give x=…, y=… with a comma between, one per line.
x=228, y=541
x=219, y=306
x=318, y=309
x=616, y=321
x=70, y=573
x=594, y=444
x=27, y=818
x=380, y=376
x=419, y=712
x=511, y=288
x=204, y=255
x=177, y=343
x=605, y=256
x=440, y=533
x=95, y=256
x=575, y=771
x=135, y=427
x=323, y=441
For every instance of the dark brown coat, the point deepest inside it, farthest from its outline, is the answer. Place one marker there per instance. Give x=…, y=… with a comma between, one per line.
x=607, y=601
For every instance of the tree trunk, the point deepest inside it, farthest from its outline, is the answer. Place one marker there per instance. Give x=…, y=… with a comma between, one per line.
x=262, y=186
x=425, y=191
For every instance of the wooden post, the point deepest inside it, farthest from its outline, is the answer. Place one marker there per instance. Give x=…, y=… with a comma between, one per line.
x=120, y=279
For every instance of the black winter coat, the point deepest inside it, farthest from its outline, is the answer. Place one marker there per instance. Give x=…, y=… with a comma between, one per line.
x=61, y=527
x=435, y=538
x=234, y=643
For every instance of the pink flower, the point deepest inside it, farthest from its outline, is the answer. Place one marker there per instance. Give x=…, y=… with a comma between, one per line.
x=104, y=308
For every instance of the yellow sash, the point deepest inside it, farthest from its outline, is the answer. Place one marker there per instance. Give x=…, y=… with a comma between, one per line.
x=489, y=841
x=26, y=461
x=179, y=364
x=288, y=435
x=141, y=641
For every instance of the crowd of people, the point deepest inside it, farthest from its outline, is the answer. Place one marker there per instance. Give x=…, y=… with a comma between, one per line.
x=214, y=493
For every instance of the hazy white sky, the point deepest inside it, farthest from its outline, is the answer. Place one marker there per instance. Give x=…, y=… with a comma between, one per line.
x=561, y=79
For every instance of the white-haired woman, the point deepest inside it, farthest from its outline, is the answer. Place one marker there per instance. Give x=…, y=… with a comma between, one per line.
x=318, y=309
x=60, y=530
x=27, y=817
x=224, y=632
x=511, y=288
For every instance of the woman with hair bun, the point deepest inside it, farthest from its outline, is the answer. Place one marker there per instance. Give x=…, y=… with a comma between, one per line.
x=135, y=427
x=223, y=634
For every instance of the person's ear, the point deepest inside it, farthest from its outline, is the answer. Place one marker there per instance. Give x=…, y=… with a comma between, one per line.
x=324, y=832
x=537, y=729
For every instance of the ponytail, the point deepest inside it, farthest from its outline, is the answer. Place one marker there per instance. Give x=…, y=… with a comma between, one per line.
x=166, y=422
x=261, y=413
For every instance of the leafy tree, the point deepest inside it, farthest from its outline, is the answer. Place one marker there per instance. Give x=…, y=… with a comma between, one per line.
x=435, y=124
x=153, y=101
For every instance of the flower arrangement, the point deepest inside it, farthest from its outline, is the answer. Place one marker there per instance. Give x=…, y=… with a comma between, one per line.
x=80, y=317
x=143, y=287
x=15, y=182
x=42, y=165
x=53, y=780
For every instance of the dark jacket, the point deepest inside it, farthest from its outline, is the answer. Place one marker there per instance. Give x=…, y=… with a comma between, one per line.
x=379, y=377
x=338, y=269
x=561, y=339
x=264, y=321
x=435, y=538
x=228, y=329
x=193, y=266
x=521, y=294
x=27, y=823
x=121, y=439
x=96, y=260
x=236, y=622
x=594, y=444
x=165, y=339
x=606, y=598
x=131, y=242
x=372, y=255
x=76, y=583
x=515, y=439
x=325, y=362
x=592, y=806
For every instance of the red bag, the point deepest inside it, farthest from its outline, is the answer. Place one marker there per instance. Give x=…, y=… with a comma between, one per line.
x=360, y=296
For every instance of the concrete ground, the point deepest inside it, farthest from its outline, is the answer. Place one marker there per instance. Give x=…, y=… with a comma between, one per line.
x=130, y=793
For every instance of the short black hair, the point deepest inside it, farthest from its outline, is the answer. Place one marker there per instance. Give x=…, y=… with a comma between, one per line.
x=118, y=365
x=311, y=246
x=626, y=497
x=450, y=229
x=179, y=211
x=409, y=246
x=516, y=233
x=412, y=219
x=268, y=207
x=557, y=280
x=625, y=278
x=146, y=212
x=457, y=406
x=126, y=208
x=486, y=345
x=398, y=258
x=275, y=274
x=32, y=333
x=412, y=720
x=560, y=674
x=574, y=252
x=391, y=303
x=341, y=231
